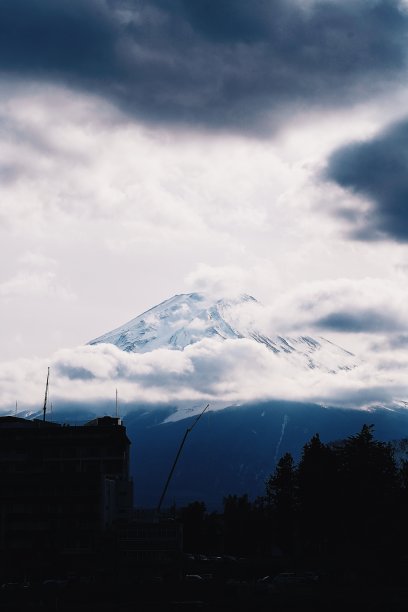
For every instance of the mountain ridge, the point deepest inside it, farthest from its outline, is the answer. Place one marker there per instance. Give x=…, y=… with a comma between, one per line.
x=188, y=318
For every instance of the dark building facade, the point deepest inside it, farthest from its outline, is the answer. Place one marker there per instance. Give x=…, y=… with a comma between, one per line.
x=150, y=537
x=61, y=486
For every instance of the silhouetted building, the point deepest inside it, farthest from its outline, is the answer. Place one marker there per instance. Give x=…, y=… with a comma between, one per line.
x=150, y=537
x=61, y=486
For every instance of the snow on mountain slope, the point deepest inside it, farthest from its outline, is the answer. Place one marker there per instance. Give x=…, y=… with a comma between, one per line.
x=176, y=323
x=186, y=319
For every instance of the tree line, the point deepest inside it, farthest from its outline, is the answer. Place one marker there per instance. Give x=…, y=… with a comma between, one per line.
x=344, y=501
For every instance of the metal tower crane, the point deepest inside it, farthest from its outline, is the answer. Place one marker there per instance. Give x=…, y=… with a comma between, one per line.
x=177, y=458
x=46, y=394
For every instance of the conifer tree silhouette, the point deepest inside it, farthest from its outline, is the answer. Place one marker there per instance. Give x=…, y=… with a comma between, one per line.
x=369, y=492
x=317, y=493
x=281, y=501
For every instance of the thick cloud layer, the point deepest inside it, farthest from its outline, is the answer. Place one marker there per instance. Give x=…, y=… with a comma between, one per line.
x=230, y=64
x=363, y=321
x=366, y=306
x=376, y=169
x=221, y=373
x=242, y=370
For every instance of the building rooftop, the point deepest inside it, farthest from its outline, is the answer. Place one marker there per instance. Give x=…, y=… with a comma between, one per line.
x=14, y=421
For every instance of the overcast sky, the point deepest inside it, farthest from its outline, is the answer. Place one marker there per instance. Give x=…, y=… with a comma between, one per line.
x=155, y=147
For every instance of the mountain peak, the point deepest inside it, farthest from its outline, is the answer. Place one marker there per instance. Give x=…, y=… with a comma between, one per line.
x=188, y=318
x=178, y=322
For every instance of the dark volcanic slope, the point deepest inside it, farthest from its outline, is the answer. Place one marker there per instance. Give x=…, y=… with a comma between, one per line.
x=235, y=449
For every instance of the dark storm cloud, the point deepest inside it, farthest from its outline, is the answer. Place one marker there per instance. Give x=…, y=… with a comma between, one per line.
x=74, y=372
x=9, y=173
x=399, y=341
x=363, y=321
x=226, y=63
x=68, y=38
x=392, y=342
x=378, y=170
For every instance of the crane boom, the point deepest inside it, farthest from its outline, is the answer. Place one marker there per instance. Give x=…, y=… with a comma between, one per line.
x=177, y=458
x=46, y=394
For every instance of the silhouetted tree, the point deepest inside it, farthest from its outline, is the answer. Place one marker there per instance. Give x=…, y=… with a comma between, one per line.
x=344, y=503
x=238, y=526
x=281, y=501
x=317, y=494
x=401, y=509
x=369, y=492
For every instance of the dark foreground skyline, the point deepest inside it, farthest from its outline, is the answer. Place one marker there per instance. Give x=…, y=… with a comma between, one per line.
x=323, y=532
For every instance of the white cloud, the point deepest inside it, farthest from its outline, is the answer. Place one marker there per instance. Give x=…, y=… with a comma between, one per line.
x=29, y=284
x=219, y=281
x=311, y=306
x=220, y=372
x=35, y=277
x=101, y=208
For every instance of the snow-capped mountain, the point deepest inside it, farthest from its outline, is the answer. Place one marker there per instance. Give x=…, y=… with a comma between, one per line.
x=189, y=318
x=175, y=323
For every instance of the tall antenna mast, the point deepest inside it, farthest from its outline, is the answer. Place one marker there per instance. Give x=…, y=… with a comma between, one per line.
x=46, y=394
x=116, y=402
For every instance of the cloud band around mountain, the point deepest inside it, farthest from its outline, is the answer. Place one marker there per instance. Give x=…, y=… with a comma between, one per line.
x=242, y=370
x=363, y=321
